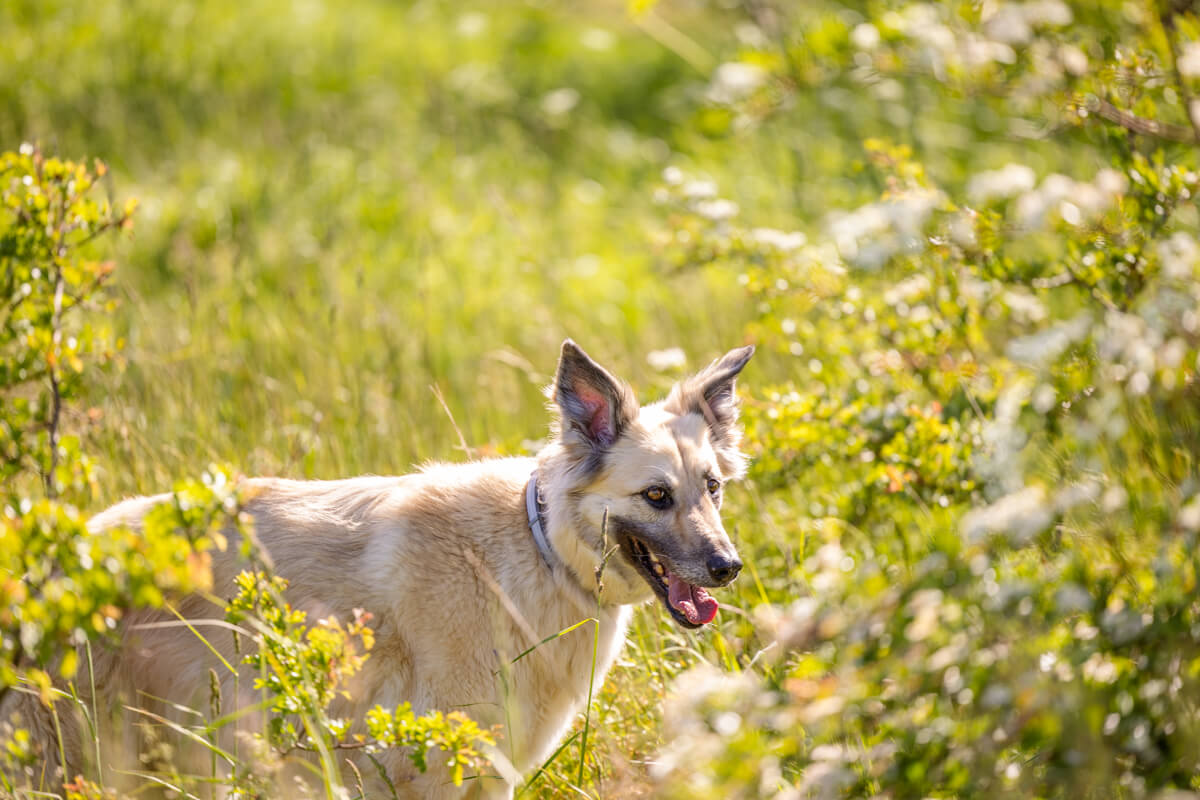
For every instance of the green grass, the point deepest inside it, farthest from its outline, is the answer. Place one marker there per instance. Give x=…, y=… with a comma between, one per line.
x=330, y=227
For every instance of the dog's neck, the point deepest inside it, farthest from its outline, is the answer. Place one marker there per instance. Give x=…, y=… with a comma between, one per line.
x=578, y=546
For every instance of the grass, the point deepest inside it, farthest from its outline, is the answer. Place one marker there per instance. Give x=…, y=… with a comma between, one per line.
x=315, y=257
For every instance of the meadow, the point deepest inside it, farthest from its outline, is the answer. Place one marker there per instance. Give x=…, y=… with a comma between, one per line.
x=962, y=236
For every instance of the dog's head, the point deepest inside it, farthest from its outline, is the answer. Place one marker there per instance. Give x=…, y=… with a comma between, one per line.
x=659, y=473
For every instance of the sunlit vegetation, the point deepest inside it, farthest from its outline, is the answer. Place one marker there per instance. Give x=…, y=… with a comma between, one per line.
x=963, y=237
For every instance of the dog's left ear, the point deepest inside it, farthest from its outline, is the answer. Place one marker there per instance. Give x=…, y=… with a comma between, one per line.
x=712, y=394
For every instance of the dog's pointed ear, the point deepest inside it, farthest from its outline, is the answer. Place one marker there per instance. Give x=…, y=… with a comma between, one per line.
x=595, y=407
x=712, y=393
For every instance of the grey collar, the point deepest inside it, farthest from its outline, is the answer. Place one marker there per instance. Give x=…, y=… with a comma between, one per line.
x=535, y=508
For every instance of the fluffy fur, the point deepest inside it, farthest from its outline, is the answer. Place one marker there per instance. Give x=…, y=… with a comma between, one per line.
x=445, y=562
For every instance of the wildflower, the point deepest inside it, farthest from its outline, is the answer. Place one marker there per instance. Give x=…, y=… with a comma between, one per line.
x=698, y=190
x=1020, y=515
x=1009, y=180
x=671, y=358
x=782, y=241
x=1072, y=597
x=1049, y=343
x=1189, y=60
x=865, y=36
x=735, y=81
x=560, y=101
x=717, y=210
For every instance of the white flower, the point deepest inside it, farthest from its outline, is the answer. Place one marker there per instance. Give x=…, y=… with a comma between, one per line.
x=1070, y=198
x=1110, y=181
x=1074, y=60
x=872, y=234
x=696, y=190
x=726, y=723
x=1052, y=13
x=979, y=51
x=560, y=101
x=1020, y=516
x=717, y=209
x=1024, y=306
x=825, y=779
x=819, y=709
x=1099, y=670
x=1013, y=23
x=863, y=222
x=936, y=37
x=1072, y=597
x=597, y=39
x=1189, y=60
x=783, y=241
x=694, y=694
x=1009, y=180
x=472, y=24
x=751, y=35
x=1049, y=343
x=1008, y=25
x=907, y=290
x=1189, y=515
x=668, y=359
x=925, y=607
x=1074, y=494
x=865, y=36
x=1179, y=255
x=734, y=81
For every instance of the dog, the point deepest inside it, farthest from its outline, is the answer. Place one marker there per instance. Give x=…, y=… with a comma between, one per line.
x=465, y=566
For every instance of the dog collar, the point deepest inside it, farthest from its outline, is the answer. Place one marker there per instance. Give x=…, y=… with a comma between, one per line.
x=534, y=507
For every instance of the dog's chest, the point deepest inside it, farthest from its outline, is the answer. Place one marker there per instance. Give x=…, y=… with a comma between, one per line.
x=548, y=689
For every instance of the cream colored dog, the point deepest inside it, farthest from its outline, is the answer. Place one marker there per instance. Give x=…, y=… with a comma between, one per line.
x=464, y=566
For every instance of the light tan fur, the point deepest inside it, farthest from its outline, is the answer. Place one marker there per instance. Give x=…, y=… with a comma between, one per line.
x=445, y=562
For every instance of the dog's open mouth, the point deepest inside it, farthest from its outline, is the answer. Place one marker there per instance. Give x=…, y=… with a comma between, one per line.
x=690, y=605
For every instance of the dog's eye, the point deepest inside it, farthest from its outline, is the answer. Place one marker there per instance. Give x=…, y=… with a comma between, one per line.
x=657, y=496
x=714, y=485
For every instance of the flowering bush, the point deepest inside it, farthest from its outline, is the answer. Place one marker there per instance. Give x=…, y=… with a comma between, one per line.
x=989, y=426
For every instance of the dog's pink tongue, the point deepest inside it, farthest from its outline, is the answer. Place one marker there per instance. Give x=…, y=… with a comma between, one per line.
x=692, y=601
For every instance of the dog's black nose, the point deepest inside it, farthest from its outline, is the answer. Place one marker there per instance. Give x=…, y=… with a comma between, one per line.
x=723, y=568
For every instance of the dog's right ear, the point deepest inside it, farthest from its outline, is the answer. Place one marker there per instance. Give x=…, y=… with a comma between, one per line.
x=711, y=394
x=595, y=407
